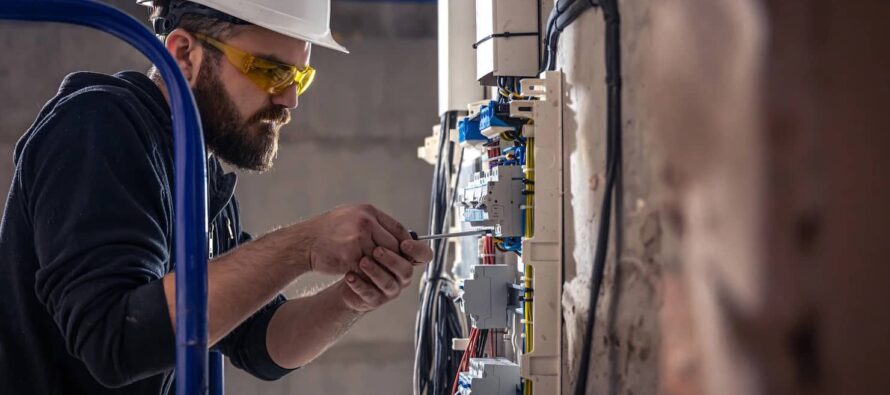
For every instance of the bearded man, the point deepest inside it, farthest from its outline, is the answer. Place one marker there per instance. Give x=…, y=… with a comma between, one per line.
x=86, y=276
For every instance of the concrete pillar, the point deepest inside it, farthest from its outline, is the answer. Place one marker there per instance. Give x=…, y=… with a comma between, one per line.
x=771, y=118
x=626, y=335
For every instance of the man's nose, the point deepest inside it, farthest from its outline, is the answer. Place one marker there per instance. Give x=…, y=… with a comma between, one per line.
x=288, y=97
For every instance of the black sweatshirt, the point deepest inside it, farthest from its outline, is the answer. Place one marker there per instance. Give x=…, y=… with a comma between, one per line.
x=87, y=235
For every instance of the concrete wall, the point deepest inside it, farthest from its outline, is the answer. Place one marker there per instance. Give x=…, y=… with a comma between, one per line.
x=353, y=139
x=752, y=240
x=626, y=338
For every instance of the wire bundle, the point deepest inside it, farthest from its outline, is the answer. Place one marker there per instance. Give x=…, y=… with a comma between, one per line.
x=476, y=343
x=507, y=88
x=527, y=314
x=438, y=319
x=563, y=14
x=528, y=232
x=529, y=192
x=475, y=347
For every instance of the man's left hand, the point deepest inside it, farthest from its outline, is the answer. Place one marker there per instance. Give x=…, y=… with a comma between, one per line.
x=383, y=276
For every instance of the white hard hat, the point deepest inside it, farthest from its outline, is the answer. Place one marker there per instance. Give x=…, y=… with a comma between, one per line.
x=307, y=20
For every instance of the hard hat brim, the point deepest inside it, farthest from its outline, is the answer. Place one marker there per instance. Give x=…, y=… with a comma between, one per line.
x=273, y=20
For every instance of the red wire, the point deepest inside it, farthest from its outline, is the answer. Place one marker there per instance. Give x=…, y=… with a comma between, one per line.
x=488, y=258
x=465, y=360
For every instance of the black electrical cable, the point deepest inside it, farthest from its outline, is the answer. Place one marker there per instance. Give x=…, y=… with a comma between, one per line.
x=479, y=350
x=563, y=14
x=613, y=168
x=438, y=320
x=548, y=48
x=446, y=360
x=423, y=324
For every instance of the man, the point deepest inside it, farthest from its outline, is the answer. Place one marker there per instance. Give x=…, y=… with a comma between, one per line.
x=86, y=275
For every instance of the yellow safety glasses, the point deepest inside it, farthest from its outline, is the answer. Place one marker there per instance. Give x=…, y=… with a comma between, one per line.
x=270, y=76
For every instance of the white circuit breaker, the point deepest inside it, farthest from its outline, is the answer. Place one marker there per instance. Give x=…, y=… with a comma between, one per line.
x=490, y=376
x=507, y=39
x=486, y=296
x=493, y=198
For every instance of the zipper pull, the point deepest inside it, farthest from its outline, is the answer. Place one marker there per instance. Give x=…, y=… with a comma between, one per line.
x=210, y=239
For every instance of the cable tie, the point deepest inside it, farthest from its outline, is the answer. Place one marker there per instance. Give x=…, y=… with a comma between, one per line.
x=504, y=35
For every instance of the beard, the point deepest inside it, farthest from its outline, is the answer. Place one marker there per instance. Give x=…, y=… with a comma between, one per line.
x=250, y=144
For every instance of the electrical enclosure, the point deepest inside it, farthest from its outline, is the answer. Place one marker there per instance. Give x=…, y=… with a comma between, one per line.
x=507, y=38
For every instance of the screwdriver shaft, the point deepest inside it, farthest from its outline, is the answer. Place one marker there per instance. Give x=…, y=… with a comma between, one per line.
x=449, y=235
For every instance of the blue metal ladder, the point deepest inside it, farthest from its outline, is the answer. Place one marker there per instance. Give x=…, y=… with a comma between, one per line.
x=190, y=180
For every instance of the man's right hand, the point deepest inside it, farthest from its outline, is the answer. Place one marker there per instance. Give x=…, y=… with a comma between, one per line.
x=339, y=238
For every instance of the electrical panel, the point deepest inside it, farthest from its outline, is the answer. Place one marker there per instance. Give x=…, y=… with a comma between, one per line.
x=490, y=376
x=509, y=182
x=498, y=168
x=507, y=39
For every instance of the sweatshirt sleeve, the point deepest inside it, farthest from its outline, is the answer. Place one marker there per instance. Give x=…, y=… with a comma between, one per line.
x=246, y=345
x=99, y=211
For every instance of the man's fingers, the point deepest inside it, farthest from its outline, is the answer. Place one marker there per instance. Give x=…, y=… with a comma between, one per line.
x=417, y=250
x=366, y=241
x=392, y=226
x=380, y=277
x=370, y=297
x=396, y=264
x=383, y=238
x=353, y=299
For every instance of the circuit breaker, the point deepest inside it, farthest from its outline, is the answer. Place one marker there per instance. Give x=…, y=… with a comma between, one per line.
x=490, y=376
x=493, y=199
x=487, y=296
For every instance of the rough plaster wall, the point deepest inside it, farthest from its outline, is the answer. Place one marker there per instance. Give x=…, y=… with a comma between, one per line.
x=626, y=339
x=773, y=141
x=353, y=139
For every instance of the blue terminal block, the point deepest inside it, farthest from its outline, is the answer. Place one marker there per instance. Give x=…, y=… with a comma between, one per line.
x=495, y=119
x=468, y=131
x=488, y=117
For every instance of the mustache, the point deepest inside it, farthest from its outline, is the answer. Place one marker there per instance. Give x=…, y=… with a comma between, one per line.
x=275, y=113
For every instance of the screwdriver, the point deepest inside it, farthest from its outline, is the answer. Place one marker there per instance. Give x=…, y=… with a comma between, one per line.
x=448, y=235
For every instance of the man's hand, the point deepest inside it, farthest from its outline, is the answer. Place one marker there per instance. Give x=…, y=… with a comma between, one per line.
x=377, y=269
x=383, y=277
x=341, y=237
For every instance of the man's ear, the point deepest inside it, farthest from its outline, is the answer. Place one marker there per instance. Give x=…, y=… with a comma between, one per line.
x=188, y=53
